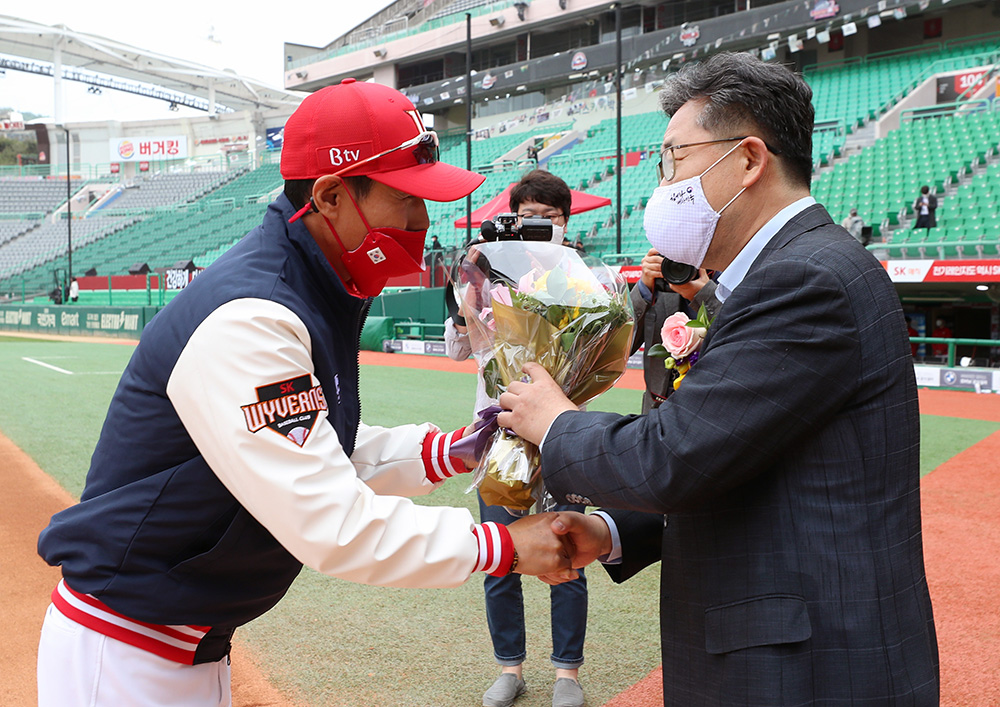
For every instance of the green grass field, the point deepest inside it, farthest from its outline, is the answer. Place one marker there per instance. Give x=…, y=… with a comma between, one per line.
x=330, y=642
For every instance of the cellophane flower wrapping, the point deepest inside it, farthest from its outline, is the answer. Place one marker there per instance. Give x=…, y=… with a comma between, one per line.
x=537, y=301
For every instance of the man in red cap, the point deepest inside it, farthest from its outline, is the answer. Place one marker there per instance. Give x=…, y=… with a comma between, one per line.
x=233, y=451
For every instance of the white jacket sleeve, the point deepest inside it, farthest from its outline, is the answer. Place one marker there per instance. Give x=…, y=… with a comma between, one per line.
x=308, y=494
x=456, y=344
x=390, y=460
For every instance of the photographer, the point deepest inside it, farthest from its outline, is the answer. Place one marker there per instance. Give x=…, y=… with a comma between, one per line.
x=654, y=299
x=539, y=195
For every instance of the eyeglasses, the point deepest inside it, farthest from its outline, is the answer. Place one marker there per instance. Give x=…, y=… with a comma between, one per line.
x=425, y=150
x=665, y=167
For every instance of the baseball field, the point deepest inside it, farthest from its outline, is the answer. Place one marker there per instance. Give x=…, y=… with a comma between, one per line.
x=334, y=643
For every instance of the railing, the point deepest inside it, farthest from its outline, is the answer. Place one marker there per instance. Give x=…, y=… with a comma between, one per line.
x=490, y=167
x=418, y=330
x=28, y=216
x=102, y=170
x=427, y=331
x=943, y=244
x=952, y=43
x=942, y=65
x=385, y=38
x=26, y=170
x=834, y=63
x=980, y=81
x=903, y=51
x=953, y=343
x=939, y=66
x=943, y=109
x=623, y=258
x=585, y=155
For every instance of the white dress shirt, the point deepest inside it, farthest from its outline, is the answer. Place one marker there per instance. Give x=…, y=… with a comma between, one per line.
x=737, y=270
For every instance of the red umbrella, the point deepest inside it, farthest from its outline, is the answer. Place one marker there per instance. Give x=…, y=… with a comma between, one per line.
x=582, y=201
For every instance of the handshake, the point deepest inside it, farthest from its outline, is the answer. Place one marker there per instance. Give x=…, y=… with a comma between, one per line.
x=553, y=546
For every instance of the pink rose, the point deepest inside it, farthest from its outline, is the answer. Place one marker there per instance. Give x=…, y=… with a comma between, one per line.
x=487, y=316
x=680, y=339
x=526, y=284
x=501, y=294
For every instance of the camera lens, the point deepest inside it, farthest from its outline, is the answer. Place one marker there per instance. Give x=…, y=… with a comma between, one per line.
x=677, y=273
x=536, y=229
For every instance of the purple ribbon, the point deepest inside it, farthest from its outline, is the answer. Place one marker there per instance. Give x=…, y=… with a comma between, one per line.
x=470, y=449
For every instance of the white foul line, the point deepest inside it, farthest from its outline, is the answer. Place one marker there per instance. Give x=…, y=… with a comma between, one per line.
x=47, y=365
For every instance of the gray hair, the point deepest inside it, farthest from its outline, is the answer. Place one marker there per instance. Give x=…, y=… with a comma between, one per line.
x=744, y=93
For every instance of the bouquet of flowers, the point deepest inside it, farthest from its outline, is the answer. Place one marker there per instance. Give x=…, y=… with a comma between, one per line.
x=538, y=301
x=681, y=337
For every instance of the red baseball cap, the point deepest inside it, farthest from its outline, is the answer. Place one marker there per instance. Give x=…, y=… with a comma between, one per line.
x=355, y=129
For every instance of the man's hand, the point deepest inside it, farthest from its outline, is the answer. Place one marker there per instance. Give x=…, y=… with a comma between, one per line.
x=530, y=408
x=651, y=269
x=689, y=289
x=588, y=537
x=539, y=549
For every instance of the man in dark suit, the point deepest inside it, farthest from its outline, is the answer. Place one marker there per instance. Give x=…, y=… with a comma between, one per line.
x=779, y=484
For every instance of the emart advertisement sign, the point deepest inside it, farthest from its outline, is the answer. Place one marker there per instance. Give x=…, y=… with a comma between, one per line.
x=136, y=149
x=126, y=322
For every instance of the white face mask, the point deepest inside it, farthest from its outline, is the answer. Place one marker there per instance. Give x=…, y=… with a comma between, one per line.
x=557, y=233
x=679, y=221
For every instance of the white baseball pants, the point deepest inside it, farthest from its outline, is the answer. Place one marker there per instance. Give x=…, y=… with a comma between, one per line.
x=78, y=667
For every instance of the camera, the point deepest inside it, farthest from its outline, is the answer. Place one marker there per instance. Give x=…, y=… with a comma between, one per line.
x=504, y=227
x=675, y=273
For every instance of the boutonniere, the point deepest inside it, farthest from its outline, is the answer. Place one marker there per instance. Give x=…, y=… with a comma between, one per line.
x=682, y=338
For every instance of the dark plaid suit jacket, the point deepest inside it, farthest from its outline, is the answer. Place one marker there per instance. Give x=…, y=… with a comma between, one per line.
x=787, y=467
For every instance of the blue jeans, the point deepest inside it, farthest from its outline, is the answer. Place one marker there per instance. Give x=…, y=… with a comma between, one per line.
x=505, y=609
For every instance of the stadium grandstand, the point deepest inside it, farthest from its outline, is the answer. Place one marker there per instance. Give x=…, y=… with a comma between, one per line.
x=906, y=95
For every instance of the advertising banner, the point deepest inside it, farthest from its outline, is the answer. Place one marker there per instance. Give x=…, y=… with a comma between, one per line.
x=135, y=149
x=178, y=279
x=12, y=121
x=980, y=380
x=275, y=137
x=123, y=322
x=943, y=270
x=949, y=88
x=410, y=346
x=631, y=273
x=928, y=376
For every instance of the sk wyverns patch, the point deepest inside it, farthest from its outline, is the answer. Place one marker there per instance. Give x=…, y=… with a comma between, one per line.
x=288, y=407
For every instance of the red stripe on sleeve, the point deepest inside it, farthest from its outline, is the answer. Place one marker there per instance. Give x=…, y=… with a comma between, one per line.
x=438, y=464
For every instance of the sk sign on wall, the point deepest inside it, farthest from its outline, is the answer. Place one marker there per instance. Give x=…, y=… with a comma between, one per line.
x=136, y=149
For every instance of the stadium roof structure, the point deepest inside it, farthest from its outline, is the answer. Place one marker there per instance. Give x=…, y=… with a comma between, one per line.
x=33, y=47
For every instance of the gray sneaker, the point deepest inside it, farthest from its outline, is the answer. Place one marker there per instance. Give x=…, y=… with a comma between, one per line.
x=567, y=693
x=504, y=691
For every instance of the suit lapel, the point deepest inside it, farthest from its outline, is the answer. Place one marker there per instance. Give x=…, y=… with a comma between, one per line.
x=808, y=219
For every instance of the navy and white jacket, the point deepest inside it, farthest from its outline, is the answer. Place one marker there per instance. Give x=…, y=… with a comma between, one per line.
x=233, y=452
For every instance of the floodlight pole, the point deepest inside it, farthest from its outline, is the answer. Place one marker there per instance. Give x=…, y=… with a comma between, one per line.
x=618, y=126
x=69, y=212
x=468, y=120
